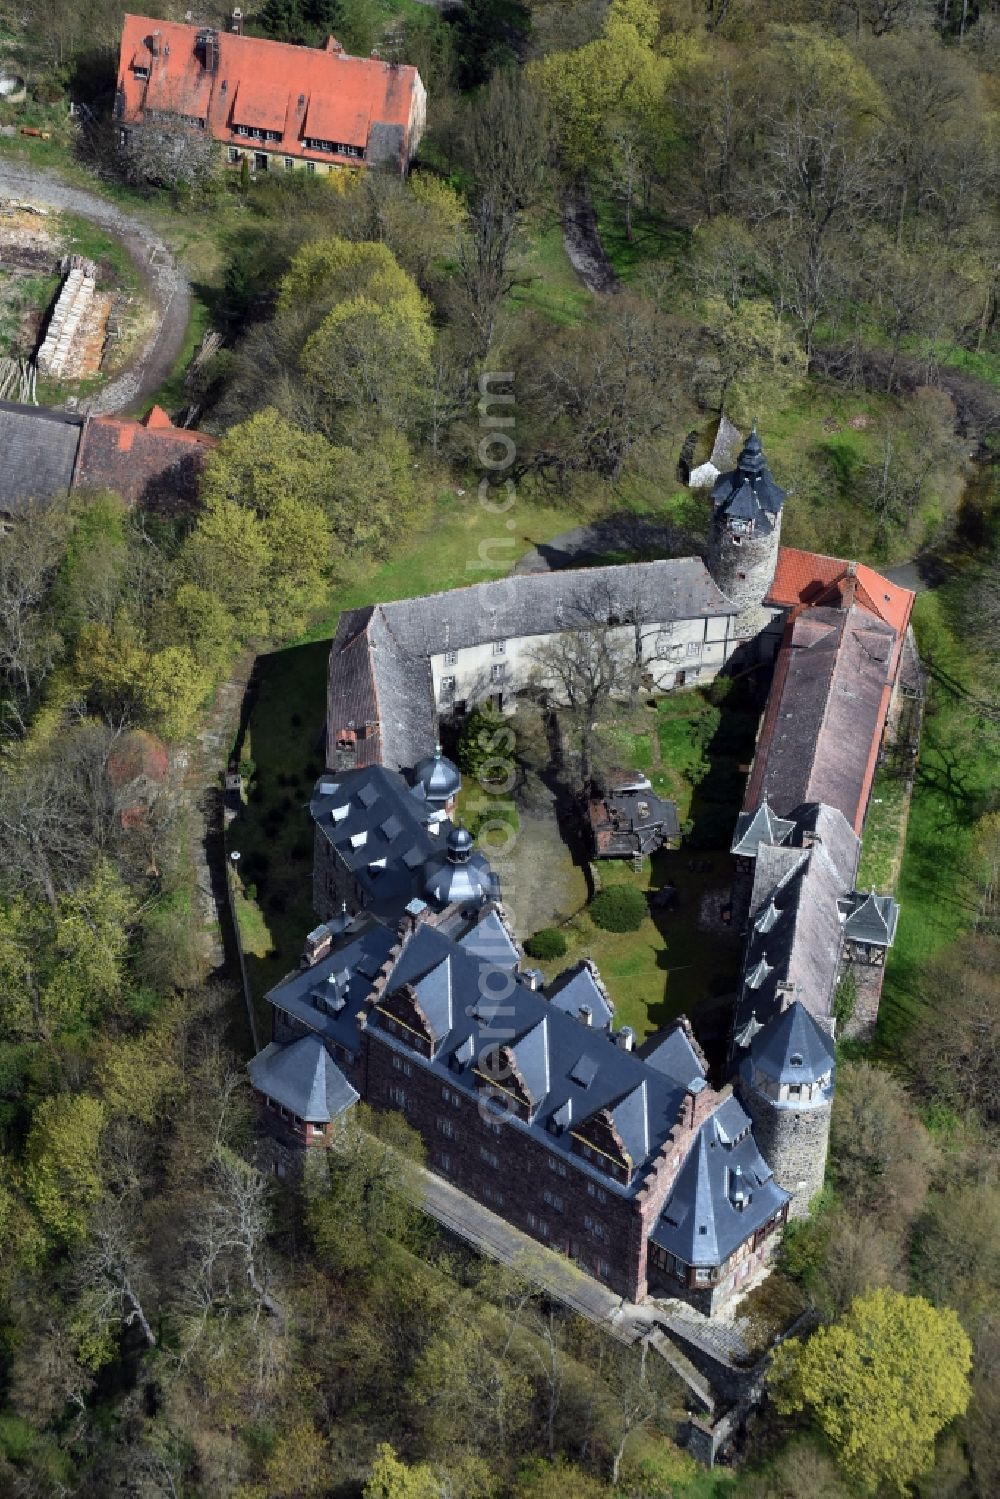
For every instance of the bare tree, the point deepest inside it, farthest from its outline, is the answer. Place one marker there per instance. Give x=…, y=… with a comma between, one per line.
x=582, y=670
x=508, y=148
x=171, y=153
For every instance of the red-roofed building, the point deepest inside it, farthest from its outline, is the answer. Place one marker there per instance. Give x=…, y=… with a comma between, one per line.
x=810, y=578
x=152, y=464
x=278, y=105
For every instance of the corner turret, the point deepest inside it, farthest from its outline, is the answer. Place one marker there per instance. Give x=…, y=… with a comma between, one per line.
x=745, y=533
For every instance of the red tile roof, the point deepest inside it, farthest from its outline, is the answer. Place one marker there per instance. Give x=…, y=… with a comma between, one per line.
x=810, y=578
x=822, y=727
x=150, y=463
x=294, y=93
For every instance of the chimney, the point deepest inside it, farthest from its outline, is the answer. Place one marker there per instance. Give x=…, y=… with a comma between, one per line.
x=318, y=944
x=699, y=1101
x=625, y=1038
x=534, y=978
x=586, y=1015
x=154, y=44
x=785, y=990
x=236, y=24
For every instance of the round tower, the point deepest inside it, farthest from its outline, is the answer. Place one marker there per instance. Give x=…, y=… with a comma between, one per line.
x=786, y=1086
x=744, y=537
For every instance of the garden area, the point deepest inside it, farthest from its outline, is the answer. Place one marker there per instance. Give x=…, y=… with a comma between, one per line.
x=673, y=959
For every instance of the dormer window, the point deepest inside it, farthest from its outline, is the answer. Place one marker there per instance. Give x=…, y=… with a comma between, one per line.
x=141, y=72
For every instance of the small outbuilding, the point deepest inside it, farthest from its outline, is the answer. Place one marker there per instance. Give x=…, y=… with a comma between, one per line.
x=629, y=818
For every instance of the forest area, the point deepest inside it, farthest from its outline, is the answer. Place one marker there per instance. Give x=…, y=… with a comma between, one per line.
x=797, y=209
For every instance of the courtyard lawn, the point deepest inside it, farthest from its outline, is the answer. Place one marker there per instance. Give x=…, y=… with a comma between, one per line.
x=693, y=750
x=670, y=966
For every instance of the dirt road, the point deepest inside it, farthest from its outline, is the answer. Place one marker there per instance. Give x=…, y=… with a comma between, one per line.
x=163, y=280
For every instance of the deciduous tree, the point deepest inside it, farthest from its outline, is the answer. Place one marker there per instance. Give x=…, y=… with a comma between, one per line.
x=881, y=1384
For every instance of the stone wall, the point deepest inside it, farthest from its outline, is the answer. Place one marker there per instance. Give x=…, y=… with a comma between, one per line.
x=794, y=1143
x=744, y=570
x=868, y=979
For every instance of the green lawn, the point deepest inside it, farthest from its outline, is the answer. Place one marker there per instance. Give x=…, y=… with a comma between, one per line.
x=670, y=966
x=546, y=282
x=956, y=784
x=461, y=542
x=656, y=239
x=274, y=833
x=881, y=833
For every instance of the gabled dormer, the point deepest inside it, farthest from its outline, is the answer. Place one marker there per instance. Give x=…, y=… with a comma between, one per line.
x=419, y=1014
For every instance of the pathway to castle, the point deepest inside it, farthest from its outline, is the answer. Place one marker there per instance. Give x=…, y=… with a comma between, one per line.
x=164, y=283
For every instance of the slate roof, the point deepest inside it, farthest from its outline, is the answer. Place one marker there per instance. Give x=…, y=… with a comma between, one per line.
x=37, y=453
x=382, y=833
x=379, y=692
x=577, y=987
x=572, y=1071
x=298, y=92
x=308, y=997
x=701, y=1223
x=459, y=874
x=303, y=1077
x=748, y=492
x=793, y=1047
x=380, y=680
x=563, y=1061
x=822, y=727
x=794, y=935
x=759, y=826
x=437, y=777
x=674, y=1054
x=490, y=942
x=870, y=918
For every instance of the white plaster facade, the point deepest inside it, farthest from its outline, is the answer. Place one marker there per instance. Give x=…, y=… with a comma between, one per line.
x=675, y=653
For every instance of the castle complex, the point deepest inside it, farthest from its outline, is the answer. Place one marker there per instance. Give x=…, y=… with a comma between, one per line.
x=413, y=994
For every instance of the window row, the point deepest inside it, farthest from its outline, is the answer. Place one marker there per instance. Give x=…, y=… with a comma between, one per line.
x=283, y=1113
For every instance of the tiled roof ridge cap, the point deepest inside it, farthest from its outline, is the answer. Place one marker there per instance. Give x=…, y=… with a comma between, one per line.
x=158, y=24
x=552, y=577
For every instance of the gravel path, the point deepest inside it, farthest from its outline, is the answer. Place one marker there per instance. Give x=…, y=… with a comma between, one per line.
x=165, y=283
x=583, y=245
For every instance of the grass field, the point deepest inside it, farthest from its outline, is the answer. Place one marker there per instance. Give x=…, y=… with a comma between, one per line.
x=956, y=784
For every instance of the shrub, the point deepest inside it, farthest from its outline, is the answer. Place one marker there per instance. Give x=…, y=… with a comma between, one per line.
x=845, y=999
x=486, y=744
x=548, y=943
x=619, y=908
x=493, y=818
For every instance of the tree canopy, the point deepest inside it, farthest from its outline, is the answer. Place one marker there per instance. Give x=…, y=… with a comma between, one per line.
x=881, y=1384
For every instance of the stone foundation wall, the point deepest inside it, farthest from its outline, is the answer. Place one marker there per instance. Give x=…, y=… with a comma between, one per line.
x=794, y=1142
x=868, y=978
